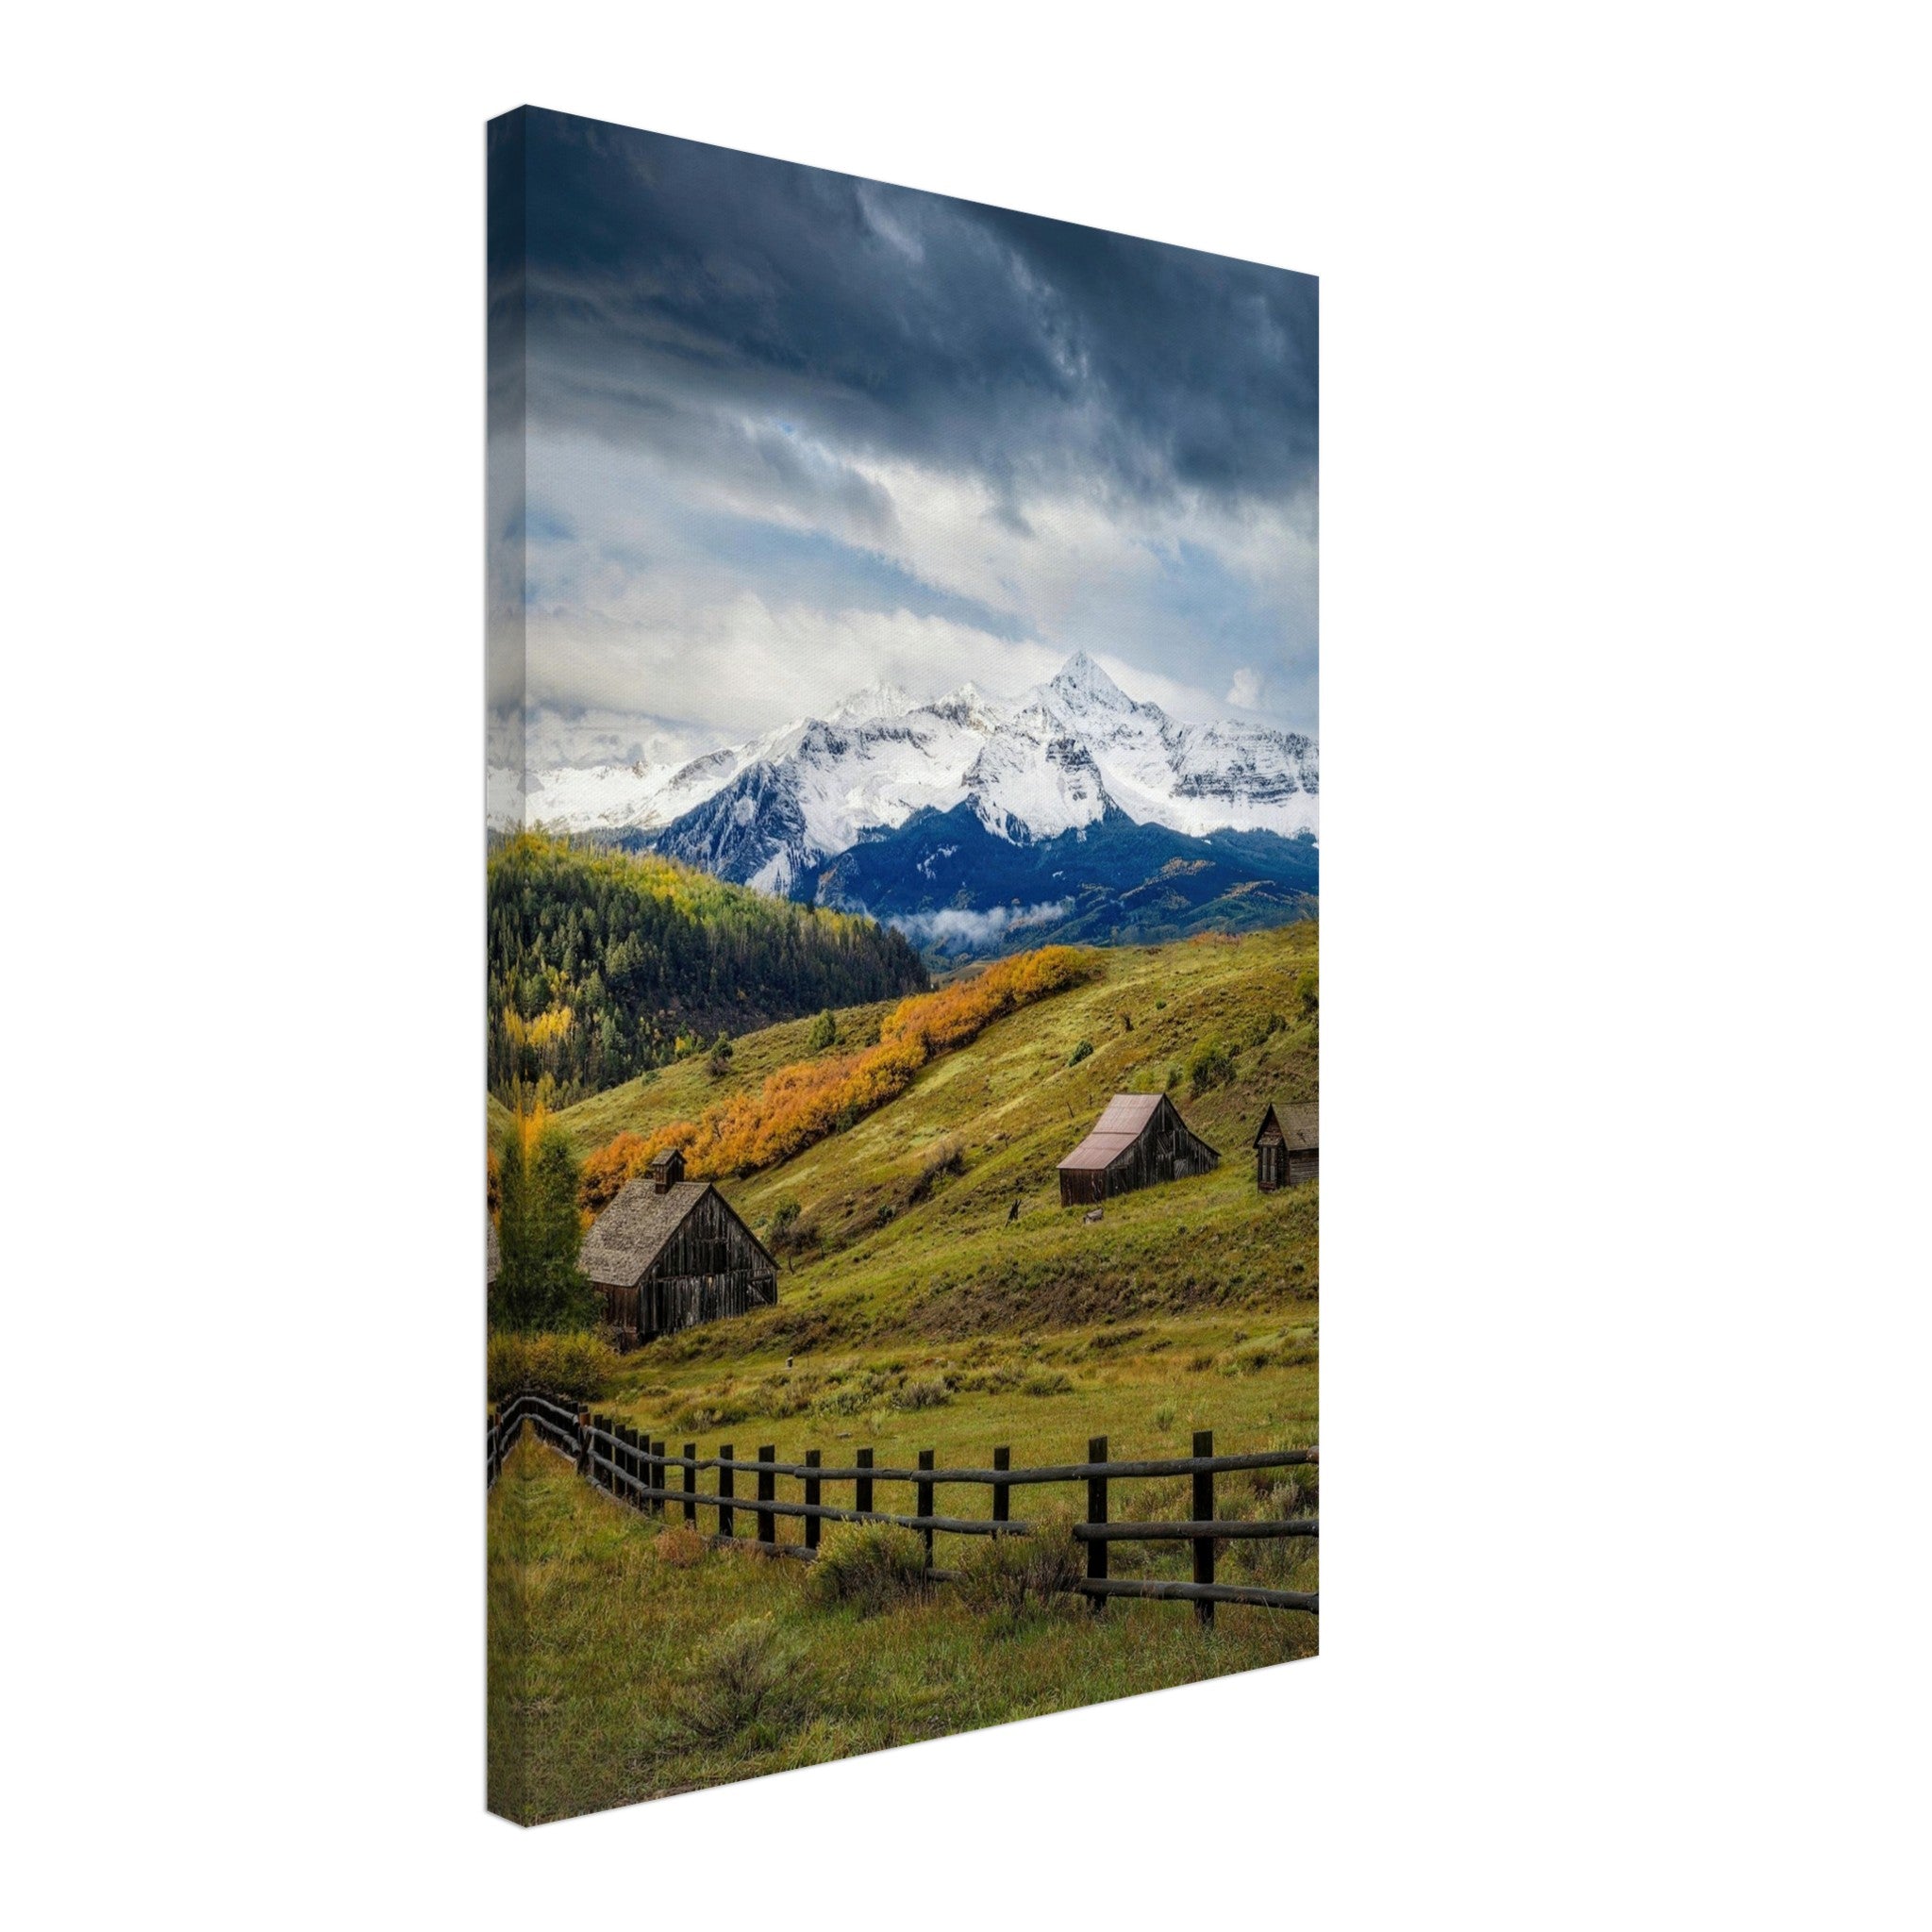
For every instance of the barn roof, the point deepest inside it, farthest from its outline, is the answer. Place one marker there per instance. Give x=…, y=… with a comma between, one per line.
x=1116, y=1131
x=1299, y=1127
x=630, y=1234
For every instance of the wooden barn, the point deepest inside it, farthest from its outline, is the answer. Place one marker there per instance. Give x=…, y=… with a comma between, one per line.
x=669, y=1253
x=1287, y=1148
x=1139, y=1140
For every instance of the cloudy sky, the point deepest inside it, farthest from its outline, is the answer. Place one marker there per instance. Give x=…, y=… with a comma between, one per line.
x=789, y=432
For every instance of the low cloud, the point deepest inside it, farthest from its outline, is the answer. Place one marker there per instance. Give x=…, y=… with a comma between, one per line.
x=975, y=930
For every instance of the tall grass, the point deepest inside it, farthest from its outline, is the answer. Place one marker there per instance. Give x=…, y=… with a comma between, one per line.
x=870, y=1567
x=581, y=1365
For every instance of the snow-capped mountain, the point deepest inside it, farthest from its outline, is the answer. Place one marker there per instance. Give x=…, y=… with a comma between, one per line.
x=1054, y=760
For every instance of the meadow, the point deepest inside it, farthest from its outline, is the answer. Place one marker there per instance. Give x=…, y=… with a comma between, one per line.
x=916, y=1310
x=624, y=1666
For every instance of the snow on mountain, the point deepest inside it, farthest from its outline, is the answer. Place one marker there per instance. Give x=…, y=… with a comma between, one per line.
x=1033, y=779
x=1048, y=762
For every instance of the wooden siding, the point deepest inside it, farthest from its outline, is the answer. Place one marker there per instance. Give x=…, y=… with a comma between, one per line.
x=711, y=1267
x=1303, y=1167
x=1164, y=1150
x=1270, y=1164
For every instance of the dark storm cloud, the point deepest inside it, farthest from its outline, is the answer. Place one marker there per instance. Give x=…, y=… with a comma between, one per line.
x=670, y=281
x=780, y=432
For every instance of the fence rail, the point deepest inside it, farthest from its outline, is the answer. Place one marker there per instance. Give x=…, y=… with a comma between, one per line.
x=636, y=1470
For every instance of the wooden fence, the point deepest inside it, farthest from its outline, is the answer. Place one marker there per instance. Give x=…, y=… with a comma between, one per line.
x=637, y=1471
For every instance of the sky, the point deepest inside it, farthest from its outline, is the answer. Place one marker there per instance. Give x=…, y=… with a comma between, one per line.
x=789, y=432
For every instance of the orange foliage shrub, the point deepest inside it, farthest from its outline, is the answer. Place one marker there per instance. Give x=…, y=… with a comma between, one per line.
x=800, y=1104
x=606, y=1170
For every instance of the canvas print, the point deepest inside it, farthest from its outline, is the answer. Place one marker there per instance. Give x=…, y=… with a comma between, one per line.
x=900, y=1253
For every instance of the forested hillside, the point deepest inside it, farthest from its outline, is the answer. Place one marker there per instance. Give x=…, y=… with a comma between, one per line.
x=604, y=965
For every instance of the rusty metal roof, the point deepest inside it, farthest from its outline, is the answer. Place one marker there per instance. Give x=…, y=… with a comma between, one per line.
x=1125, y=1121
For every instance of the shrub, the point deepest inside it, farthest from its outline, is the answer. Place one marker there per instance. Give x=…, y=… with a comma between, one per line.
x=579, y=1365
x=1046, y=1382
x=1308, y=989
x=852, y=1394
x=1005, y=1576
x=1165, y=1417
x=791, y=1232
x=823, y=1033
x=680, y=1545
x=1085, y=1047
x=718, y=1063
x=744, y=1685
x=930, y=1393
x=947, y=1154
x=871, y=1566
x=1211, y=1066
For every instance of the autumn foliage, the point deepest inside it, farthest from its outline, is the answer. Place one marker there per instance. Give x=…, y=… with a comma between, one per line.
x=800, y=1104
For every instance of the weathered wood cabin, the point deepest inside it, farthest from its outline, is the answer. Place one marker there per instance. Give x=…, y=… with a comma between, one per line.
x=1287, y=1148
x=1139, y=1140
x=669, y=1253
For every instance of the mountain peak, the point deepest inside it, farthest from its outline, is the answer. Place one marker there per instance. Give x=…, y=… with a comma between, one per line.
x=875, y=700
x=1082, y=680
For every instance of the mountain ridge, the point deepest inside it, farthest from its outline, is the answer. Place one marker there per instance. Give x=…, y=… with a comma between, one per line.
x=777, y=811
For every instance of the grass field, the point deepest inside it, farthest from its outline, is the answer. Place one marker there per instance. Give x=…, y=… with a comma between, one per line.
x=917, y=1314
x=616, y=1674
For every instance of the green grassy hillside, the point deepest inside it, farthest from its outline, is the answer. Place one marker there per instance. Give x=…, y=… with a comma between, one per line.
x=913, y=1313
x=1189, y=1304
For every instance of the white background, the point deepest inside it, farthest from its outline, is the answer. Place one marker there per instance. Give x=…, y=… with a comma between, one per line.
x=1623, y=723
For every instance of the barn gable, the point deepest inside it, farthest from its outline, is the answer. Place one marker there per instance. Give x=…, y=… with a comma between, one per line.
x=669, y=1255
x=1287, y=1147
x=1139, y=1139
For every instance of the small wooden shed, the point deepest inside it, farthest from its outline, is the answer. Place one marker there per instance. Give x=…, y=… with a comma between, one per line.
x=1287, y=1148
x=1139, y=1140
x=669, y=1253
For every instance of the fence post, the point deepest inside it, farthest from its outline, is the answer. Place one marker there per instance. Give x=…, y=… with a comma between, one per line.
x=658, y=1473
x=691, y=1483
x=727, y=1488
x=923, y=1491
x=768, y=1491
x=811, y=1499
x=1002, y=1495
x=1204, y=1512
x=1096, y=1512
x=627, y=1461
x=583, y=1441
x=862, y=1490
x=597, y=1476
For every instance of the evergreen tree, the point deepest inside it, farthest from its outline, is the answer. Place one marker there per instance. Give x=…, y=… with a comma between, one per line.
x=539, y=1285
